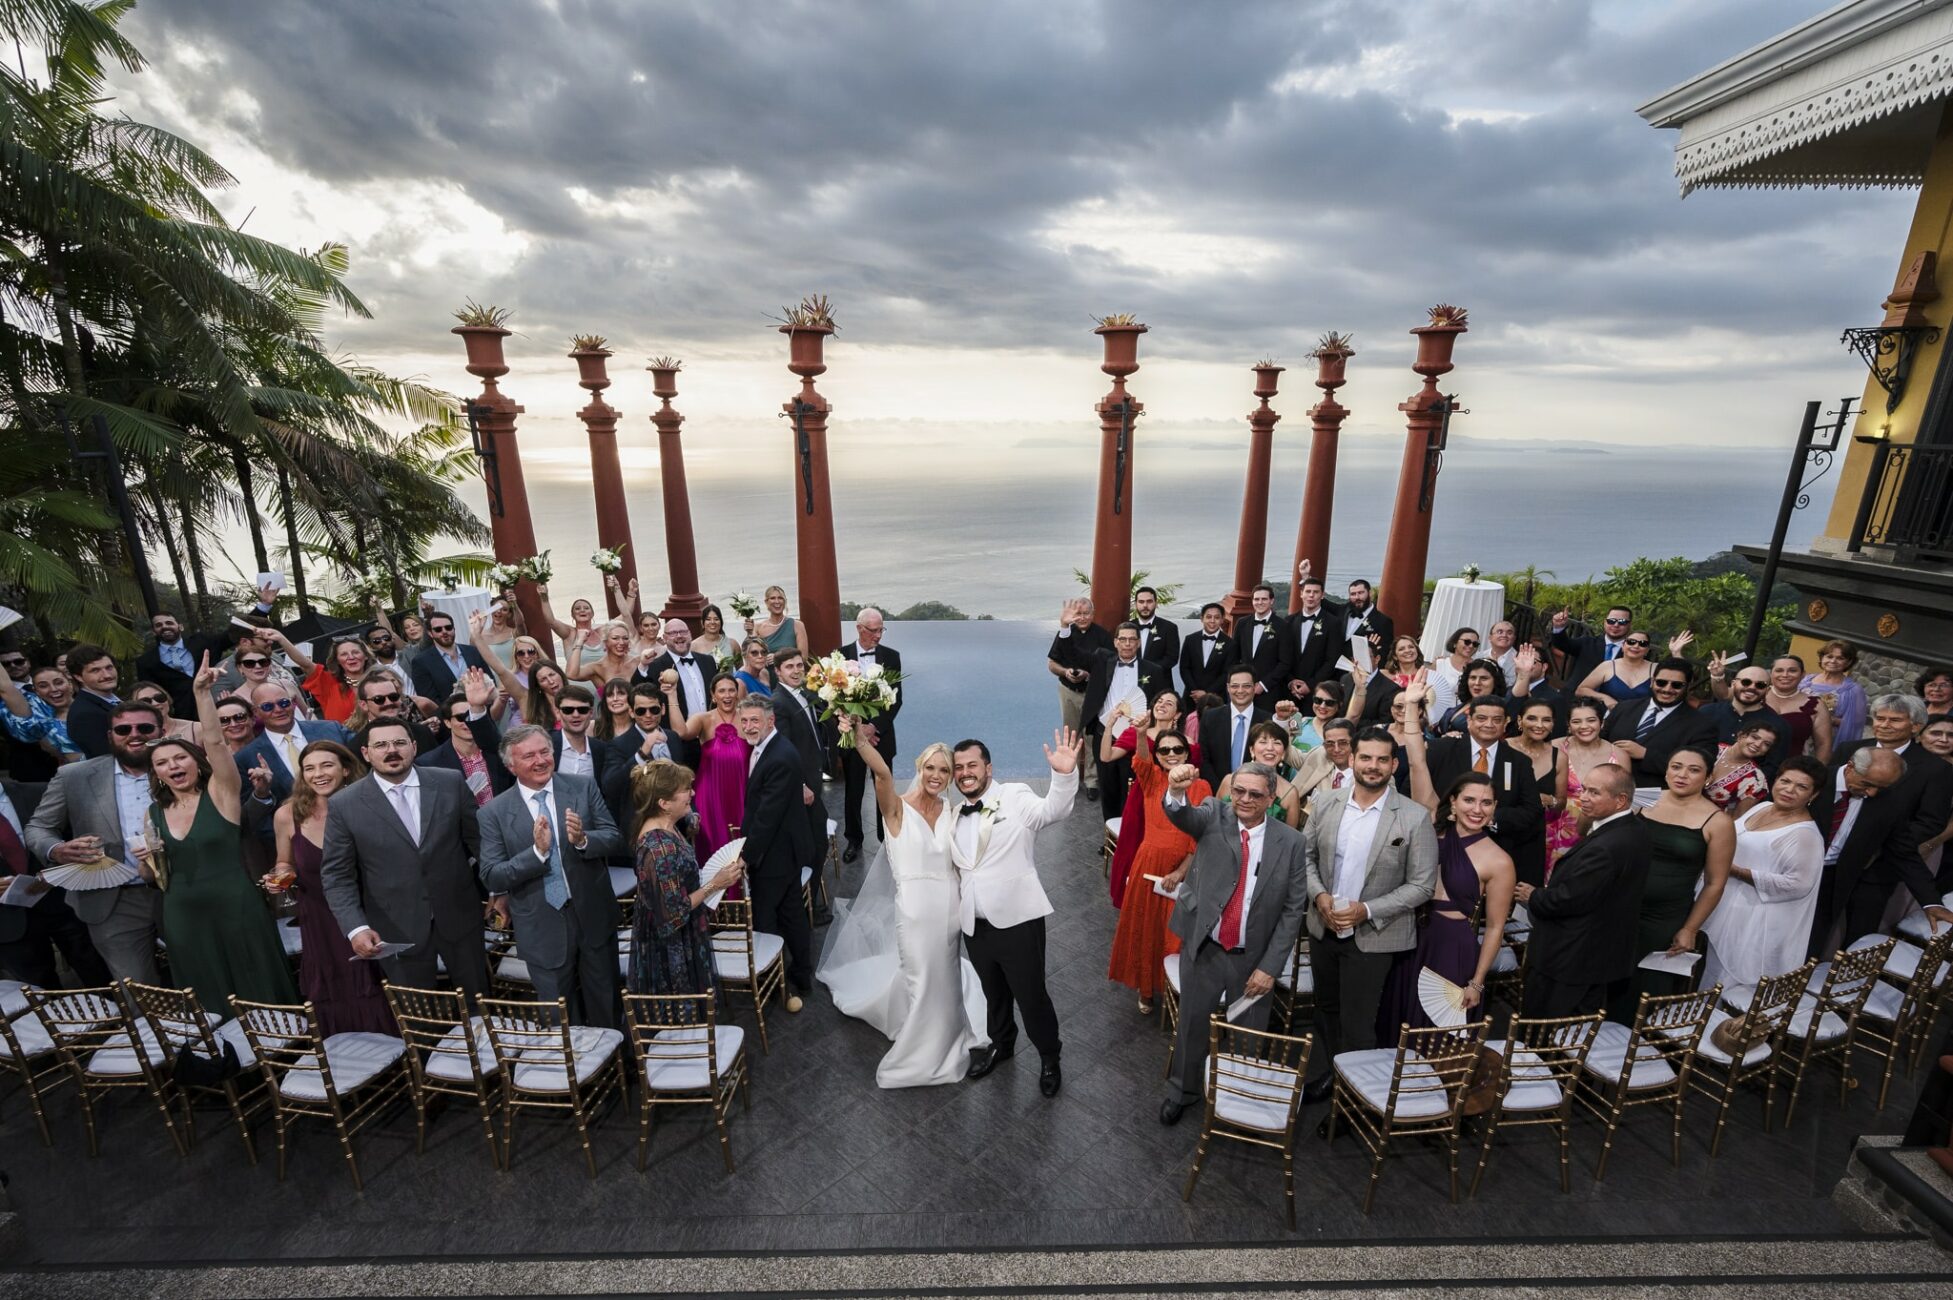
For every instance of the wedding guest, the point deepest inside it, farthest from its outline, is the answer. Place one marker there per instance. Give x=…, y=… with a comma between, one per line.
x=1392, y=673
x=775, y=628
x=583, y=619
x=410, y=637
x=1502, y=647
x=504, y=624
x=866, y=650
x=777, y=842
x=1519, y=824
x=1204, y=657
x=619, y=658
x=1328, y=701
x=1372, y=861
x=1812, y=727
x=650, y=637
x=1481, y=679
x=1690, y=843
x=473, y=742
x=1364, y=622
x=1583, y=942
x=755, y=667
x=1239, y=909
x=1935, y=687
x=1143, y=939
x=254, y=661
x=614, y=711
x=797, y=712
x=1739, y=705
x=95, y=673
x=1738, y=781
x=1623, y=679
x=1763, y=923
x=156, y=697
x=281, y=737
x=1162, y=717
x=530, y=687
x=1261, y=643
x=645, y=738
x=1588, y=652
x=387, y=659
x=239, y=722
x=695, y=668
x=1835, y=660
x=1224, y=728
x=1073, y=652
x=1118, y=676
x=1649, y=730
x=1584, y=750
x=1447, y=675
x=577, y=753
x=1327, y=765
x=1315, y=638
x=443, y=663
x=711, y=638
x=331, y=682
x=724, y=758
x=671, y=939
x=32, y=935
x=1159, y=639
x=36, y=718
x=380, y=696
x=1533, y=738
x=1870, y=814
x=171, y=661
x=1268, y=746
x=345, y=993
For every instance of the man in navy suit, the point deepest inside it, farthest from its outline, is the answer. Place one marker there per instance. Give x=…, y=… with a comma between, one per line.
x=283, y=739
x=441, y=664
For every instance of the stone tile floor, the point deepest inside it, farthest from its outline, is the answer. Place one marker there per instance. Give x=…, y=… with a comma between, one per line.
x=826, y=1161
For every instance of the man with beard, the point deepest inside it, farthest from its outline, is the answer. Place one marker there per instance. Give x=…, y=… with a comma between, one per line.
x=171, y=662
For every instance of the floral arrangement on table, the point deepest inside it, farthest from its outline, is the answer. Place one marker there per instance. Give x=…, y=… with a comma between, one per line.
x=1470, y=573
x=450, y=580
x=503, y=576
x=608, y=559
x=743, y=603
x=862, y=691
x=537, y=569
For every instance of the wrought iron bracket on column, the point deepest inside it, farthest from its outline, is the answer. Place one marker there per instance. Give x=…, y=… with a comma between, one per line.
x=1446, y=406
x=805, y=450
x=1810, y=460
x=1121, y=453
x=491, y=470
x=1887, y=351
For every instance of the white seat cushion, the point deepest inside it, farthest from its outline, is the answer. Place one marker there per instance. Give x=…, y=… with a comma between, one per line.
x=832, y=826
x=623, y=881
x=1829, y=1030
x=1268, y=1089
x=117, y=1058
x=1112, y=825
x=729, y=963
x=355, y=1060
x=34, y=1040
x=1709, y=1051
x=1171, y=962
x=1903, y=964
x=1737, y=997
x=673, y=1061
x=1304, y=982
x=513, y=969
x=1819, y=973
x=806, y=874
x=232, y=1032
x=13, y=998
x=1608, y=1058
x=590, y=1045
x=1505, y=962
x=1532, y=1085
x=291, y=938
x=448, y=1062
x=1884, y=1002
x=1368, y=1073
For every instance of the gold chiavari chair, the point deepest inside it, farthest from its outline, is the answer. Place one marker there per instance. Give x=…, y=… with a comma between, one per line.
x=27, y=1053
x=1295, y=988
x=1254, y=1092
x=93, y=1036
x=171, y=1023
x=1720, y=1068
x=1109, y=845
x=348, y=1079
x=687, y=1059
x=1900, y=966
x=1542, y=1071
x=1825, y=1024
x=1896, y=1016
x=448, y=1055
x=13, y=998
x=747, y=960
x=1660, y=1049
x=1170, y=1007
x=1416, y=1089
x=548, y=1064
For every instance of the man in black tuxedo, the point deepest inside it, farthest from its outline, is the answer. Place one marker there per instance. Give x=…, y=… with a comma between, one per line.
x=1584, y=918
x=1316, y=640
x=1224, y=728
x=1650, y=731
x=1361, y=617
x=1159, y=639
x=1116, y=674
x=646, y=737
x=30, y=935
x=1260, y=642
x=1070, y=660
x=797, y=715
x=867, y=649
x=171, y=662
x=442, y=663
x=778, y=841
x=1870, y=811
x=695, y=673
x=95, y=674
x=1586, y=653
x=1204, y=658
x=1519, y=825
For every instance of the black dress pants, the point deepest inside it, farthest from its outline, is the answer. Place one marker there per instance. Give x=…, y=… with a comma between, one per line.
x=1349, y=991
x=854, y=776
x=778, y=909
x=1009, y=962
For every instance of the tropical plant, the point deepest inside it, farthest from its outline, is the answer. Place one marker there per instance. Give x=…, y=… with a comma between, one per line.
x=665, y=363
x=475, y=316
x=588, y=343
x=813, y=312
x=1444, y=315
x=1165, y=593
x=1117, y=320
x=1334, y=344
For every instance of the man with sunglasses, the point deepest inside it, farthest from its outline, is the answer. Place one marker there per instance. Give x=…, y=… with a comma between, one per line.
x=282, y=738
x=380, y=643
x=171, y=661
x=440, y=666
x=1586, y=653
x=1650, y=731
x=474, y=742
x=1740, y=704
x=646, y=737
x=99, y=808
x=381, y=696
x=578, y=753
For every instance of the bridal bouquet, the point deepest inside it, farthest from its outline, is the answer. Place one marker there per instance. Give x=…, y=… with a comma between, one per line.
x=537, y=569
x=608, y=559
x=503, y=576
x=743, y=604
x=862, y=691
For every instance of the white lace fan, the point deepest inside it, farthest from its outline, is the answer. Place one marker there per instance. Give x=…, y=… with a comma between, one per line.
x=1135, y=703
x=718, y=862
x=1442, y=1000
x=102, y=873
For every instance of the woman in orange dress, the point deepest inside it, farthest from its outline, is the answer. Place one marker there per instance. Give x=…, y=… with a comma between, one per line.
x=1142, y=940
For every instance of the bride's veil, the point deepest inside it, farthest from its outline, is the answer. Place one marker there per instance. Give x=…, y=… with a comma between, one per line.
x=860, y=962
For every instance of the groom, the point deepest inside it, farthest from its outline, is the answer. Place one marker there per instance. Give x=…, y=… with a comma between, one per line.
x=1003, y=905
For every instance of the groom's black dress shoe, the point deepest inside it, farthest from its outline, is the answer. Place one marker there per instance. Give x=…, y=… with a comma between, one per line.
x=985, y=1059
x=1170, y=1111
x=1319, y=1091
x=1049, y=1079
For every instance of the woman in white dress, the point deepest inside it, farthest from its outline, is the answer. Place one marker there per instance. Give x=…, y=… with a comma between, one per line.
x=1762, y=926
x=894, y=955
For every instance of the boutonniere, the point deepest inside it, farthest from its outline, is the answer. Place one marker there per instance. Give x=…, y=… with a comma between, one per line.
x=1397, y=843
x=994, y=810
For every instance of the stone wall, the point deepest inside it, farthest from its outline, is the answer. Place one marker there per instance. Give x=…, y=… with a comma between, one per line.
x=1883, y=674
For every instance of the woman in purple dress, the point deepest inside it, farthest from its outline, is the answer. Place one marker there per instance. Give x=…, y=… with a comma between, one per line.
x=345, y=993
x=721, y=795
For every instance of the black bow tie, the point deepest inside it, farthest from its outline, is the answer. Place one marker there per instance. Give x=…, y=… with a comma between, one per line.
x=683, y=659
x=1261, y=622
x=968, y=809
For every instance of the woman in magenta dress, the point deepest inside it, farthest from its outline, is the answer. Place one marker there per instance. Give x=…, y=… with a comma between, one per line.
x=721, y=795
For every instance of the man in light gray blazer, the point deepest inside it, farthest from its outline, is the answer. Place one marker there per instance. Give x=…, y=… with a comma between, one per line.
x=543, y=843
x=1238, y=914
x=399, y=864
x=1374, y=849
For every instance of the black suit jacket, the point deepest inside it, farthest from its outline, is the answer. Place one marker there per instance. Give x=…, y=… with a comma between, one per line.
x=180, y=685
x=1585, y=917
x=1153, y=678
x=1584, y=654
x=1270, y=659
x=1209, y=676
x=1311, y=661
x=682, y=750
x=884, y=725
x=433, y=678
x=611, y=773
x=489, y=738
x=1217, y=739
x=1682, y=728
x=1885, y=838
x=809, y=746
x=1360, y=627
x=1160, y=643
x=779, y=841
x=88, y=722
x=1520, y=820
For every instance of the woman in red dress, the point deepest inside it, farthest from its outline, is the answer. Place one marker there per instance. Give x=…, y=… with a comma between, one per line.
x=1142, y=940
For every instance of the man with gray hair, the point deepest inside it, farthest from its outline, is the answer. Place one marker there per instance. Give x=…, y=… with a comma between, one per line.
x=778, y=841
x=1885, y=797
x=866, y=651
x=543, y=843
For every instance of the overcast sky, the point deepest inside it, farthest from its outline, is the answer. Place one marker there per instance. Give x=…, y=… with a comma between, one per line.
x=970, y=183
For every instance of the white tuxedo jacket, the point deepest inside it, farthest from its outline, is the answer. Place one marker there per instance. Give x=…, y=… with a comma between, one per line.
x=1001, y=880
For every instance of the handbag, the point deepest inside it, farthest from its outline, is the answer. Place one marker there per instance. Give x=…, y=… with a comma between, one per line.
x=1486, y=1083
x=196, y=1071
x=1738, y=1036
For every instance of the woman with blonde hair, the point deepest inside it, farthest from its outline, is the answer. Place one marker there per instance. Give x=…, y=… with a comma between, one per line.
x=778, y=631
x=617, y=660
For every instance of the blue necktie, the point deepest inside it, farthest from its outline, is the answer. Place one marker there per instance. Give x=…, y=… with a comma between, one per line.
x=1240, y=738
x=1613, y=649
x=556, y=889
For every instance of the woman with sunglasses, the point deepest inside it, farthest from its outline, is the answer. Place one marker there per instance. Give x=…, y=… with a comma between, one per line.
x=1627, y=676
x=159, y=699
x=1328, y=700
x=254, y=663
x=1164, y=716
x=755, y=667
x=1142, y=940
x=331, y=683
x=237, y=721
x=1691, y=843
x=222, y=941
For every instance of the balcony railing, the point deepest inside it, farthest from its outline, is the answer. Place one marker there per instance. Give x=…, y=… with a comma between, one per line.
x=1908, y=502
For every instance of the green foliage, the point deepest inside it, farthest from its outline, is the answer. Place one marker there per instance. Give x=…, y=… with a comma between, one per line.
x=923, y=611
x=1667, y=596
x=1167, y=593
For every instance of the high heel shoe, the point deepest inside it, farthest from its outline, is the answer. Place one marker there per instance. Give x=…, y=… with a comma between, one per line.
x=1145, y=1007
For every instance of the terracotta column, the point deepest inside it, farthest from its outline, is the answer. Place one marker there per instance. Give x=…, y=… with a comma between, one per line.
x=1112, y=532
x=686, y=601
x=1326, y=417
x=1401, y=594
x=813, y=515
x=606, y=474
x=495, y=412
x=1251, y=540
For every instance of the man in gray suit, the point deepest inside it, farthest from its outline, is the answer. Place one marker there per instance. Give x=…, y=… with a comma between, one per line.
x=1373, y=861
x=1238, y=913
x=399, y=864
x=543, y=843
x=98, y=808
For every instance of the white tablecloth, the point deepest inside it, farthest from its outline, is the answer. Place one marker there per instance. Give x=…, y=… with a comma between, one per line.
x=458, y=604
x=1457, y=603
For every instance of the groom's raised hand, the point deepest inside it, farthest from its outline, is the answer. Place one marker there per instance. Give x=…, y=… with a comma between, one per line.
x=1064, y=749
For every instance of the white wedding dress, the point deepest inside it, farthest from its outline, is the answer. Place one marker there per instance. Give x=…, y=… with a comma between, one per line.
x=894, y=958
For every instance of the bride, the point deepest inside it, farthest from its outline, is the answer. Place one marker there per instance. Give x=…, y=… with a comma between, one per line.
x=894, y=956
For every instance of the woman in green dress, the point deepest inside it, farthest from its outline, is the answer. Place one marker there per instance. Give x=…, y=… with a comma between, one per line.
x=221, y=939
x=1691, y=842
x=779, y=632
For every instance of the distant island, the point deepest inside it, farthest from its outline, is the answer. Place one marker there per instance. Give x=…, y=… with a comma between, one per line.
x=923, y=611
